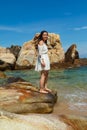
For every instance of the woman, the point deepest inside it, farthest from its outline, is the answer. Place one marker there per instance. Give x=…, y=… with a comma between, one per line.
x=43, y=63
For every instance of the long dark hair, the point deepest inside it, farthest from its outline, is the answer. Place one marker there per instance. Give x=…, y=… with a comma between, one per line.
x=40, y=37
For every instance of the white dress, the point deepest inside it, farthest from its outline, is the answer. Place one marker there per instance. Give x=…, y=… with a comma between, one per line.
x=42, y=54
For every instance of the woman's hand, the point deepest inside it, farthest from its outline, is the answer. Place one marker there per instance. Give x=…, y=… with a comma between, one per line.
x=43, y=63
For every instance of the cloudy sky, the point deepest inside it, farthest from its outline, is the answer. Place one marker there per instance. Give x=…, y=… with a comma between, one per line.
x=21, y=19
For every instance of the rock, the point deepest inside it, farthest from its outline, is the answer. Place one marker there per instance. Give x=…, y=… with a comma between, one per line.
x=28, y=53
x=81, y=62
x=7, y=59
x=68, y=65
x=15, y=79
x=26, y=56
x=23, y=97
x=15, y=50
x=41, y=122
x=71, y=54
x=77, y=55
x=76, y=122
x=6, y=66
x=6, y=56
x=33, y=122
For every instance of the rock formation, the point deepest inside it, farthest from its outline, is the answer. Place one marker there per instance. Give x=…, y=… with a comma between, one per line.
x=7, y=56
x=28, y=54
x=71, y=54
x=7, y=59
x=41, y=122
x=19, y=96
x=24, y=57
x=15, y=50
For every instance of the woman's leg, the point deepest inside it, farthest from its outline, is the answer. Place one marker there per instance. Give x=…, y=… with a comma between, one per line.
x=45, y=82
x=42, y=80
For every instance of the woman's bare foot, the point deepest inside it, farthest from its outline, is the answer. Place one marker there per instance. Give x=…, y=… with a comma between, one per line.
x=43, y=91
x=47, y=89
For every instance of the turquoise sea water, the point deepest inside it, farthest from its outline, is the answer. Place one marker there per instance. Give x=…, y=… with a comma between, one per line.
x=71, y=84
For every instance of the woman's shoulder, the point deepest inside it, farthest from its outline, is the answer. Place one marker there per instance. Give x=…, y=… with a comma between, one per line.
x=41, y=43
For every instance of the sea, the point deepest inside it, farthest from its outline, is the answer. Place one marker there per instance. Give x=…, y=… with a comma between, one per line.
x=70, y=84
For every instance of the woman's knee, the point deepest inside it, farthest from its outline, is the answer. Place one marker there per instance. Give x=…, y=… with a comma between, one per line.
x=44, y=73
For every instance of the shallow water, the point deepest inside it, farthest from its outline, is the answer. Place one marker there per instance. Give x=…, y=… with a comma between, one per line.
x=71, y=85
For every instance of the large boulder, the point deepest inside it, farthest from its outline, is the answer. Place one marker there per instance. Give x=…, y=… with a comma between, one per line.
x=32, y=122
x=41, y=122
x=28, y=54
x=7, y=59
x=71, y=54
x=7, y=56
x=23, y=97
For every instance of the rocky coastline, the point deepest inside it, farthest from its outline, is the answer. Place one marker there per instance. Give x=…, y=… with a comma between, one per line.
x=24, y=57
x=22, y=106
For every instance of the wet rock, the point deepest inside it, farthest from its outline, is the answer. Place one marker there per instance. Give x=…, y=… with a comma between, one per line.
x=14, y=79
